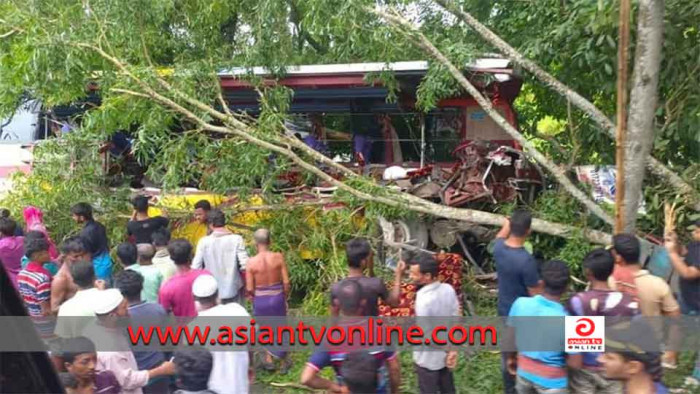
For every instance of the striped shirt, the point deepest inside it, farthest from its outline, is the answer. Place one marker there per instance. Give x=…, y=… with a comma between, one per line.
x=34, y=283
x=543, y=368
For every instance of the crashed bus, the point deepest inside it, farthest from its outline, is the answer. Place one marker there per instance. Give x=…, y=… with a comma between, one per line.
x=454, y=154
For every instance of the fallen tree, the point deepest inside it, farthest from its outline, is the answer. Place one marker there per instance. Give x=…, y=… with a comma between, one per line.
x=606, y=125
x=239, y=126
x=530, y=149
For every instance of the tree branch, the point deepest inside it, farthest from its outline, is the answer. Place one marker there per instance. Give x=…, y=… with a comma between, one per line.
x=423, y=42
x=654, y=166
x=425, y=207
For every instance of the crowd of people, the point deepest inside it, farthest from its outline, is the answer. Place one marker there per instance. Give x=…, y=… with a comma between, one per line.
x=618, y=286
x=208, y=273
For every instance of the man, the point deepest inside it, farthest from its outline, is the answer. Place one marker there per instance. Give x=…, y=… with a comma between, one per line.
x=543, y=371
x=688, y=268
x=80, y=360
x=223, y=253
x=175, y=295
x=351, y=305
x=109, y=306
x=517, y=273
x=433, y=299
x=516, y=268
x=267, y=283
x=95, y=238
x=62, y=286
x=142, y=227
x=201, y=210
x=653, y=293
x=161, y=260
x=34, y=281
x=11, y=248
x=193, y=368
x=130, y=284
x=630, y=360
x=599, y=300
x=360, y=256
x=152, y=278
x=69, y=325
x=197, y=229
x=232, y=369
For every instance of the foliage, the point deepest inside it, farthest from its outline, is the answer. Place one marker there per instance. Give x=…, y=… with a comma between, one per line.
x=576, y=42
x=67, y=173
x=49, y=51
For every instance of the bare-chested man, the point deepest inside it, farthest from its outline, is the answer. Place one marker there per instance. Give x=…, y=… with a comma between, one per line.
x=267, y=284
x=62, y=286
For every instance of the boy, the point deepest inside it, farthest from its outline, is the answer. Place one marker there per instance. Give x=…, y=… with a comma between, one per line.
x=599, y=300
x=34, y=281
x=543, y=371
x=628, y=358
x=80, y=360
x=351, y=305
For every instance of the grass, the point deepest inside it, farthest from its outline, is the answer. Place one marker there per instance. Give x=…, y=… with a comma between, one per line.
x=675, y=378
x=478, y=372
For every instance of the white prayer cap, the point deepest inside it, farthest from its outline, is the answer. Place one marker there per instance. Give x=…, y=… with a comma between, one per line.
x=204, y=286
x=107, y=300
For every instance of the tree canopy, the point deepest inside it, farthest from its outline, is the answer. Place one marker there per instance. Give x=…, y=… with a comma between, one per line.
x=52, y=49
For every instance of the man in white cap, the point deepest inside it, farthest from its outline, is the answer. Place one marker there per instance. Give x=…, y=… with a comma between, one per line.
x=109, y=306
x=232, y=370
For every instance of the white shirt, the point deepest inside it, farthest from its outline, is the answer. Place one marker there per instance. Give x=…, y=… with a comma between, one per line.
x=435, y=300
x=122, y=363
x=223, y=254
x=80, y=305
x=229, y=374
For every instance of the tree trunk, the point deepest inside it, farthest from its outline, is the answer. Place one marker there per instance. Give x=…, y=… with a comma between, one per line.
x=486, y=104
x=654, y=166
x=643, y=101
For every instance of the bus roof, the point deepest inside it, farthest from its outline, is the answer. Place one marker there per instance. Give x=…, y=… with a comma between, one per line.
x=494, y=65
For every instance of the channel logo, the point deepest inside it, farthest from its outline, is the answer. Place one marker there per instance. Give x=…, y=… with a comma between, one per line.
x=584, y=334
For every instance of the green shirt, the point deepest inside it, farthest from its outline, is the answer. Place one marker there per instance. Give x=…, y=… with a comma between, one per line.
x=152, y=279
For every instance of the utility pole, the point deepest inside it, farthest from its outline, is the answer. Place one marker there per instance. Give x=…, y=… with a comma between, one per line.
x=621, y=131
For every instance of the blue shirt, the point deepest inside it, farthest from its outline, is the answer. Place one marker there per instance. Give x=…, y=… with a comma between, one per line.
x=517, y=270
x=51, y=267
x=539, y=306
x=146, y=312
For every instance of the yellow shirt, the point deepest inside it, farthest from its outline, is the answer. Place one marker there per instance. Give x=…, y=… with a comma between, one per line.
x=192, y=231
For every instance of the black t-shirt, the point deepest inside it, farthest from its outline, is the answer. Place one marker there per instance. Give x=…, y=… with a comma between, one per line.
x=95, y=238
x=143, y=229
x=690, y=288
x=372, y=290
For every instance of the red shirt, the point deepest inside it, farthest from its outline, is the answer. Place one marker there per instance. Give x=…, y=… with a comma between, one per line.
x=624, y=280
x=176, y=294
